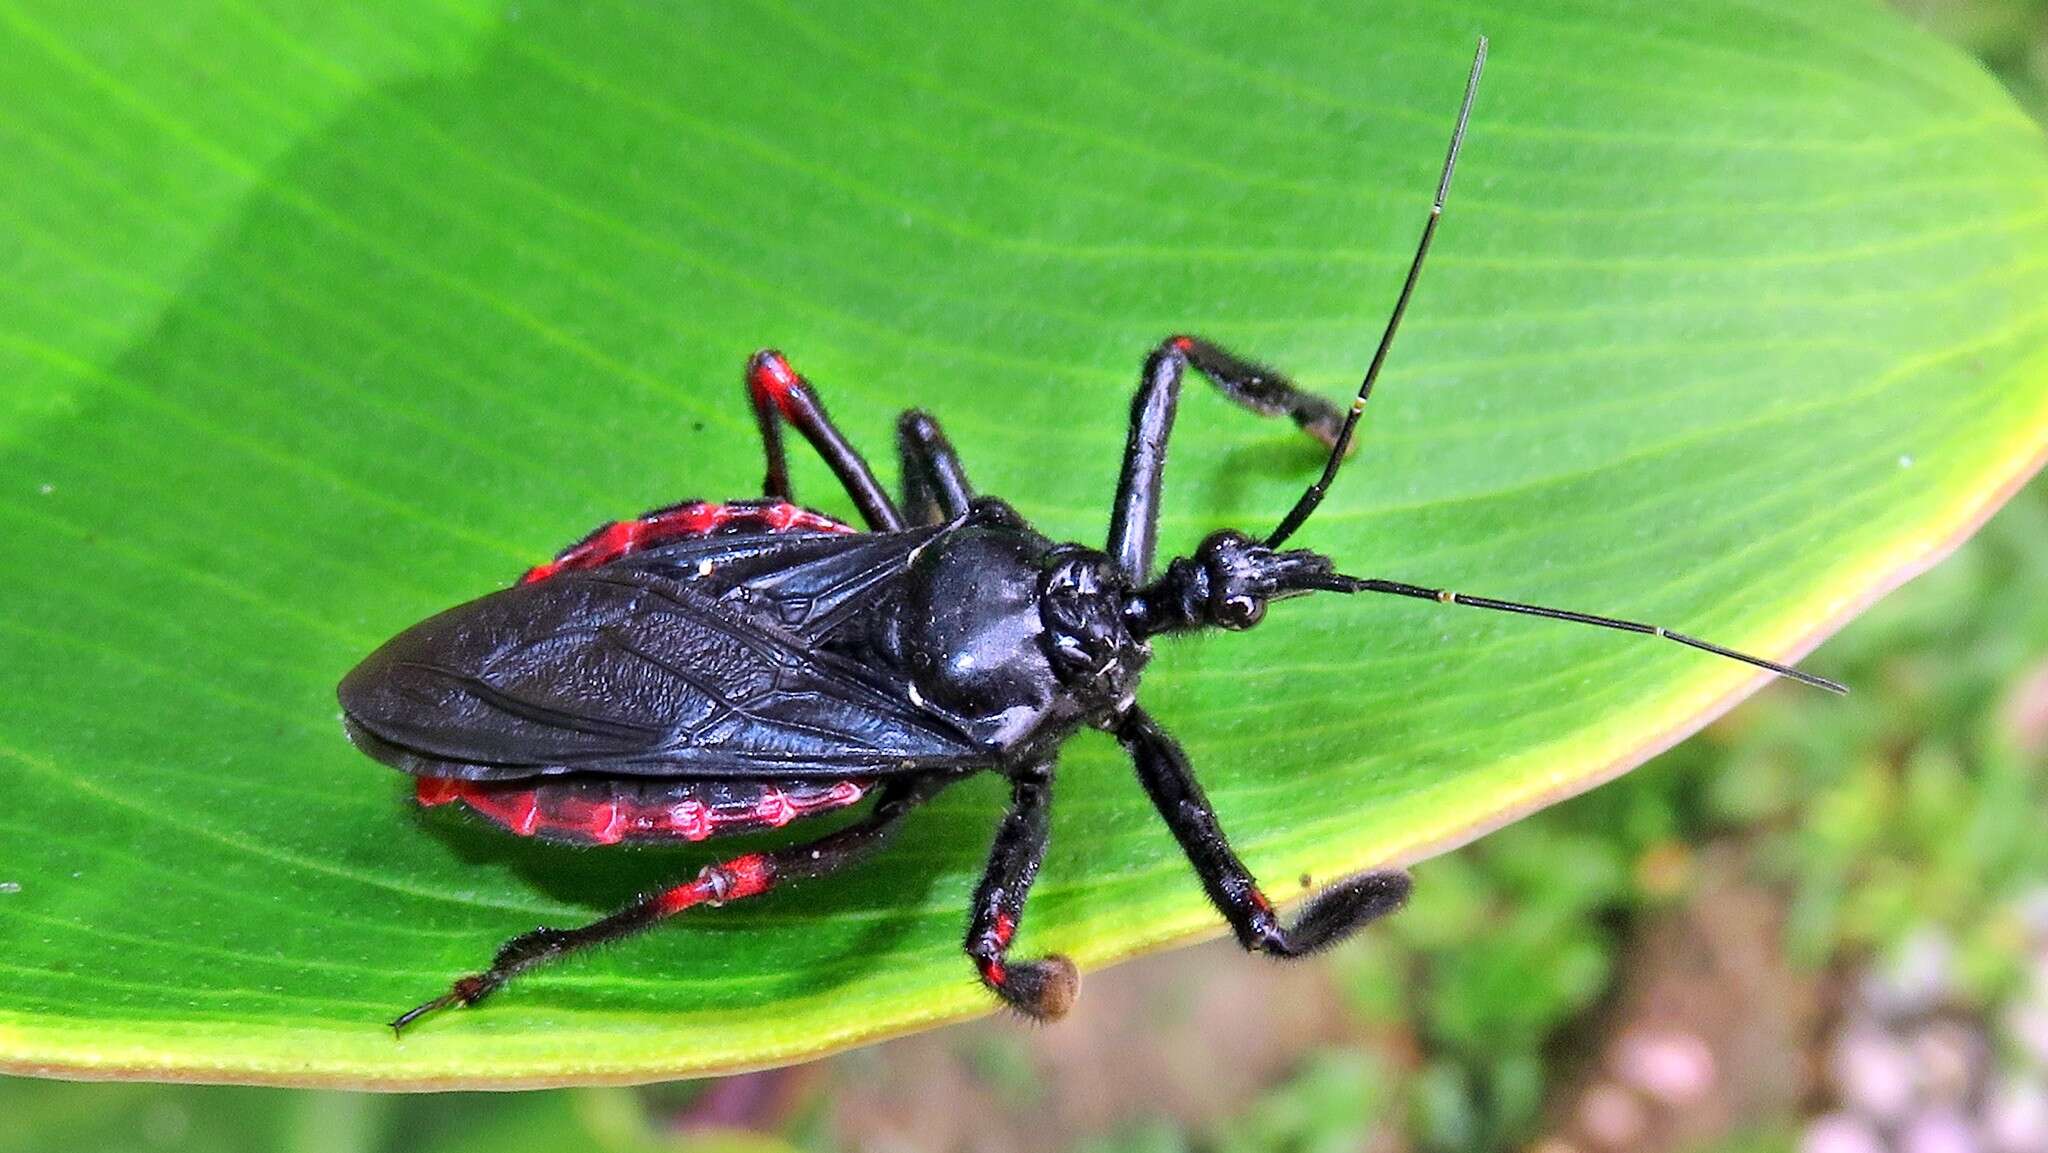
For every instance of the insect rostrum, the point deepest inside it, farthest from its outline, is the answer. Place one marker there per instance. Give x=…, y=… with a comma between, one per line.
x=710, y=668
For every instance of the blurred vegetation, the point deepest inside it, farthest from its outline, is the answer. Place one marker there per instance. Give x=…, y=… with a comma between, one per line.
x=1913, y=806
x=43, y=1116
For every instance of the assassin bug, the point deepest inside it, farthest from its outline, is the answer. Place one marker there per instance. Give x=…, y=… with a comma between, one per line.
x=716, y=668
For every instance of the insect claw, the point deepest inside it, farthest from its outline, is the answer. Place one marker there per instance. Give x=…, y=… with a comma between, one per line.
x=444, y=1001
x=467, y=991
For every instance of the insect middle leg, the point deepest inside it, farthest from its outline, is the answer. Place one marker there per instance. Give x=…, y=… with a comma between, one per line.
x=1134, y=518
x=935, y=488
x=1043, y=989
x=731, y=880
x=1330, y=916
x=779, y=394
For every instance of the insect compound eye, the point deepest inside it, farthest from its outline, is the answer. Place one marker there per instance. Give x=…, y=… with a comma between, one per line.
x=1240, y=612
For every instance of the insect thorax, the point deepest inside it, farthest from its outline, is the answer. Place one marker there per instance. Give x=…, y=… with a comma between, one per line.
x=1015, y=635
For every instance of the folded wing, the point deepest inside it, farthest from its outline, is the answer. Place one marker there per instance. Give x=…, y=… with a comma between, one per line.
x=713, y=656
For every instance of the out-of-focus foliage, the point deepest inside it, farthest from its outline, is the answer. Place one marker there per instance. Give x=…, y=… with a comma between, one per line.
x=52, y=1117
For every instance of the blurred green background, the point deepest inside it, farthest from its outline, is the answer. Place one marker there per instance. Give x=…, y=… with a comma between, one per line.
x=1819, y=924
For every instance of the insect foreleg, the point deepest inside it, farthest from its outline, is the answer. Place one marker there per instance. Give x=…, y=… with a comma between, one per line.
x=1134, y=519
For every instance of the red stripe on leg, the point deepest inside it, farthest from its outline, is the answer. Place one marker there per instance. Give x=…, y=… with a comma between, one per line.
x=751, y=876
x=734, y=880
x=995, y=944
x=769, y=375
x=682, y=897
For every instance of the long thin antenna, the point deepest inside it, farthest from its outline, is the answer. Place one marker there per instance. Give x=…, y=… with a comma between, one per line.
x=1314, y=496
x=1336, y=583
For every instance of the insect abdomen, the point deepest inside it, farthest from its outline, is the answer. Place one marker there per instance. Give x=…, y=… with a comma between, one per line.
x=595, y=810
x=691, y=518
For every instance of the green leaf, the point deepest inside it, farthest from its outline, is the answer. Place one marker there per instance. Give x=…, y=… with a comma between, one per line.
x=319, y=319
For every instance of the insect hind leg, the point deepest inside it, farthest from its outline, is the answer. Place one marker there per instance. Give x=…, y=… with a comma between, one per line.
x=730, y=880
x=1042, y=989
x=780, y=394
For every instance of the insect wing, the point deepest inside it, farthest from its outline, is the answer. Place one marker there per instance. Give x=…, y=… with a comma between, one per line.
x=815, y=587
x=697, y=659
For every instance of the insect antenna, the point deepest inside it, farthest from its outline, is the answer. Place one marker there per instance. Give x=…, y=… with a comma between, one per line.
x=1314, y=496
x=1346, y=584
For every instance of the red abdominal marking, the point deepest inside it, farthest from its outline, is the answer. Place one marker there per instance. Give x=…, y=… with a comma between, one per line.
x=606, y=811
x=771, y=376
x=774, y=809
x=690, y=820
x=1006, y=928
x=1182, y=343
x=521, y=813
x=431, y=791
x=677, y=522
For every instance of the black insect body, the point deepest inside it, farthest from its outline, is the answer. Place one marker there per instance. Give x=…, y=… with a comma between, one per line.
x=715, y=668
